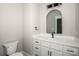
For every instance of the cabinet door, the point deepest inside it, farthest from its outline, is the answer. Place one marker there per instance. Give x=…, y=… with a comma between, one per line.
x=45, y=51
x=55, y=53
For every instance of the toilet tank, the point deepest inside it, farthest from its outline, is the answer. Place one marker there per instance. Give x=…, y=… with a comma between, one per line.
x=10, y=47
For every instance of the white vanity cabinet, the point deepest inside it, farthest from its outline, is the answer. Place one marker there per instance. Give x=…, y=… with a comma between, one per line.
x=48, y=50
x=45, y=51
x=36, y=47
x=51, y=48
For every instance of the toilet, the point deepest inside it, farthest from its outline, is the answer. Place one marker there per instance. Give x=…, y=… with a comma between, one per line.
x=10, y=49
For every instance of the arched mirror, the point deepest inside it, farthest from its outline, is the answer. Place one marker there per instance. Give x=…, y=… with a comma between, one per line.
x=54, y=22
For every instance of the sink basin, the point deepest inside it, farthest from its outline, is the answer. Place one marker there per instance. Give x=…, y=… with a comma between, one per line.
x=43, y=35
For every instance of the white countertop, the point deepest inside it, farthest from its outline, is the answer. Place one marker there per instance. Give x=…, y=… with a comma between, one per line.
x=66, y=40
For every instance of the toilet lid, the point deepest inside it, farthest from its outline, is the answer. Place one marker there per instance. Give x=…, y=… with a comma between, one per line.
x=17, y=54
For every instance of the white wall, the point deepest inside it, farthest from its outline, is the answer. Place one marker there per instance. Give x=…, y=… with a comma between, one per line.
x=11, y=23
x=68, y=18
x=31, y=19
x=77, y=21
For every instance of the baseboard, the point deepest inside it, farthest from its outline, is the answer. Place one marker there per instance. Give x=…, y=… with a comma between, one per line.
x=26, y=54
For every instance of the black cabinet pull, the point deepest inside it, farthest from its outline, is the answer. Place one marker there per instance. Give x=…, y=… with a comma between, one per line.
x=36, y=55
x=70, y=51
x=36, y=47
x=48, y=53
x=36, y=41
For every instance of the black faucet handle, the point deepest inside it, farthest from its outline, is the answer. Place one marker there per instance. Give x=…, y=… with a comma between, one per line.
x=53, y=34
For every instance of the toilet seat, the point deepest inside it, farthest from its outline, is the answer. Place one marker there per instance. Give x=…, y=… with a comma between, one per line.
x=17, y=54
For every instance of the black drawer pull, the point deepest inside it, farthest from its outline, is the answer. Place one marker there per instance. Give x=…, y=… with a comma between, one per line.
x=36, y=41
x=70, y=51
x=36, y=47
x=36, y=55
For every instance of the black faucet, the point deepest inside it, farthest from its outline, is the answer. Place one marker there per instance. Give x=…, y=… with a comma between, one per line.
x=53, y=34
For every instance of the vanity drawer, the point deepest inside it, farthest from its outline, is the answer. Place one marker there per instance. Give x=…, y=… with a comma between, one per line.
x=71, y=50
x=36, y=41
x=36, y=53
x=67, y=54
x=45, y=43
x=57, y=53
x=36, y=48
x=56, y=46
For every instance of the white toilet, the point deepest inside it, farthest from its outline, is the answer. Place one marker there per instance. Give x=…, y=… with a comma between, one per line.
x=10, y=49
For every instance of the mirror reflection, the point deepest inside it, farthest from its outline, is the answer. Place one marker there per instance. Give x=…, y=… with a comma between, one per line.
x=54, y=22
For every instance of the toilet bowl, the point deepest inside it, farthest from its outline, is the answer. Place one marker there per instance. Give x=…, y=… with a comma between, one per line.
x=10, y=49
